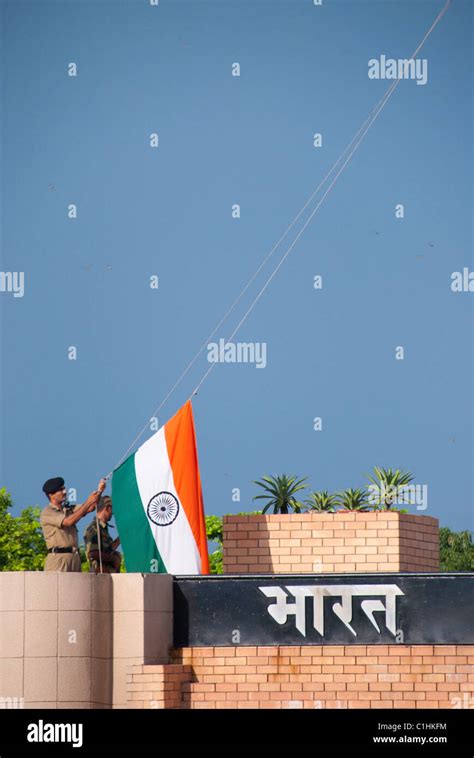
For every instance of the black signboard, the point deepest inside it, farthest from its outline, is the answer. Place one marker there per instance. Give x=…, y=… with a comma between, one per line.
x=343, y=609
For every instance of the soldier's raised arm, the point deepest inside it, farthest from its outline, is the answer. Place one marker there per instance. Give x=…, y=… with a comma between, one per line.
x=88, y=505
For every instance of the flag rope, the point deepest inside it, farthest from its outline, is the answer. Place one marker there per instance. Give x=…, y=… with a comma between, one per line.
x=351, y=147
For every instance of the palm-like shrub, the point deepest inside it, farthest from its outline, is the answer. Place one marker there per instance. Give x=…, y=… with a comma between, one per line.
x=321, y=501
x=353, y=500
x=280, y=493
x=388, y=483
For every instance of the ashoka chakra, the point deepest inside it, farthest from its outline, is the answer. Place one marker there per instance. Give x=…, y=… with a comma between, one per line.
x=163, y=509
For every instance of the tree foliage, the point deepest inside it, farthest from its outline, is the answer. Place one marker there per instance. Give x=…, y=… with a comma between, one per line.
x=214, y=532
x=214, y=528
x=456, y=550
x=22, y=545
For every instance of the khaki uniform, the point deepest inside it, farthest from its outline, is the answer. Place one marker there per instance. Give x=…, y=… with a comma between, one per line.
x=57, y=535
x=107, y=551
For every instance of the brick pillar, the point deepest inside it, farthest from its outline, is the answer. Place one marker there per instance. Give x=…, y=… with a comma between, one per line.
x=341, y=542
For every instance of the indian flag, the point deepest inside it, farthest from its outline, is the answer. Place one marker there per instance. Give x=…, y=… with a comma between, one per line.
x=157, y=502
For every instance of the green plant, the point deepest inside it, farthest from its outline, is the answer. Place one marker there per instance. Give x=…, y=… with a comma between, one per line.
x=280, y=493
x=214, y=533
x=84, y=561
x=321, y=501
x=22, y=545
x=215, y=562
x=353, y=500
x=388, y=486
x=214, y=528
x=456, y=550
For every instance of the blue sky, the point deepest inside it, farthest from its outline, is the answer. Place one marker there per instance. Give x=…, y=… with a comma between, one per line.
x=166, y=211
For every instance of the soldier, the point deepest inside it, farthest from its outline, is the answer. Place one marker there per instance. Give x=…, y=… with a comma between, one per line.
x=58, y=521
x=111, y=558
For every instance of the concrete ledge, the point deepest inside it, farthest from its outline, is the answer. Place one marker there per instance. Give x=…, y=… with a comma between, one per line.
x=68, y=638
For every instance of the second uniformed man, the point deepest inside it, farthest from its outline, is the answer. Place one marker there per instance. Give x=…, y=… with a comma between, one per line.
x=111, y=558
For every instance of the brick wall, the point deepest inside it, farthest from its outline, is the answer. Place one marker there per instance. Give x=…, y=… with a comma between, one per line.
x=157, y=686
x=331, y=542
x=329, y=676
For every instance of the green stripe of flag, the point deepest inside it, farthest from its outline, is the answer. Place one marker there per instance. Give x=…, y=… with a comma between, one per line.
x=138, y=544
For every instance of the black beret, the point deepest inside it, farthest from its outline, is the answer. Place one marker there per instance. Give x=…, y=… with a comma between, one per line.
x=53, y=485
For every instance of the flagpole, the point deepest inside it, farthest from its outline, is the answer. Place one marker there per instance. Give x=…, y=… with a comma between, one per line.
x=98, y=537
